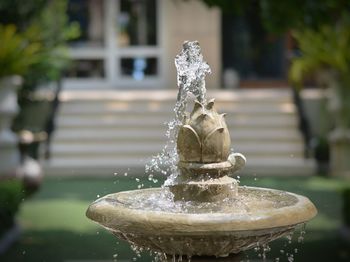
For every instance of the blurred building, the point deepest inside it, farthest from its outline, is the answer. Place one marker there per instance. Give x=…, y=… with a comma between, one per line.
x=131, y=44
x=127, y=49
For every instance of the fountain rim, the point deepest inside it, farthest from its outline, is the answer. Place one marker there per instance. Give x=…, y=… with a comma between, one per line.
x=121, y=218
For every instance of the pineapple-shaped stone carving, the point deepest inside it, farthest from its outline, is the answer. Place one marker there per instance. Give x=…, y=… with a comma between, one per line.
x=204, y=137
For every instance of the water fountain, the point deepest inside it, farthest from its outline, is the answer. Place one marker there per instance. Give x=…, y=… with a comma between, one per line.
x=201, y=210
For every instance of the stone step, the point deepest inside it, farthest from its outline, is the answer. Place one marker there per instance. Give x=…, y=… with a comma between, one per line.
x=130, y=161
x=162, y=127
x=146, y=143
x=108, y=166
x=263, y=94
x=145, y=150
x=72, y=122
x=106, y=109
x=97, y=134
x=154, y=104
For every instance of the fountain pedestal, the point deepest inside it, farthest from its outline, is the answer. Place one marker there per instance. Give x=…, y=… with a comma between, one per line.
x=203, y=146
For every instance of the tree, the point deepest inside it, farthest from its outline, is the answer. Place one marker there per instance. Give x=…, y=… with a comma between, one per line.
x=281, y=16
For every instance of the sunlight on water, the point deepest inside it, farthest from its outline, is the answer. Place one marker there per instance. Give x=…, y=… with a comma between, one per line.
x=250, y=201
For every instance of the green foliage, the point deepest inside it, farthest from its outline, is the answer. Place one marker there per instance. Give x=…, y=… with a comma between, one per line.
x=11, y=196
x=44, y=25
x=324, y=48
x=17, y=53
x=279, y=16
x=325, y=51
x=51, y=29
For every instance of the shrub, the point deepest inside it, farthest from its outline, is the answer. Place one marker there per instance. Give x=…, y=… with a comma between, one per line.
x=11, y=195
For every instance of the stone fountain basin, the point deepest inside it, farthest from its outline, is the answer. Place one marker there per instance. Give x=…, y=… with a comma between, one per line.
x=148, y=219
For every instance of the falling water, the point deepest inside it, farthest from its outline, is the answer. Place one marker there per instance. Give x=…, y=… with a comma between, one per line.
x=191, y=72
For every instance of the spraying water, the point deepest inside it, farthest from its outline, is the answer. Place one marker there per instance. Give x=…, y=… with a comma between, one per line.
x=191, y=72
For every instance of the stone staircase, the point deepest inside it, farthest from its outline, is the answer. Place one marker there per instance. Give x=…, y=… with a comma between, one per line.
x=103, y=132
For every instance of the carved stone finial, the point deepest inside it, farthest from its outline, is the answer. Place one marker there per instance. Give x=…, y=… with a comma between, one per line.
x=205, y=137
x=203, y=145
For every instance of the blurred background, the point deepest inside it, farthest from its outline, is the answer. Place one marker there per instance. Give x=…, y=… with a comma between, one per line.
x=86, y=87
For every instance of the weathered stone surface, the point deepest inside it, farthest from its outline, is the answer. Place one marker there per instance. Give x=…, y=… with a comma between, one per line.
x=216, y=244
x=267, y=215
x=205, y=191
x=200, y=171
x=204, y=136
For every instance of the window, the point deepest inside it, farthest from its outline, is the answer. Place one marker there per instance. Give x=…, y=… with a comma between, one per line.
x=137, y=22
x=89, y=15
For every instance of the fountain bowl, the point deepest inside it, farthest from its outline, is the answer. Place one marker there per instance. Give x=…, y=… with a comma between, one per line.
x=255, y=217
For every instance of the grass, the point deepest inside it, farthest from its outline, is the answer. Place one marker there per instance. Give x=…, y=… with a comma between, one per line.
x=55, y=227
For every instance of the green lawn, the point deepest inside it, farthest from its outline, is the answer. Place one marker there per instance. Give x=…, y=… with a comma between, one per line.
x=55, y=227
